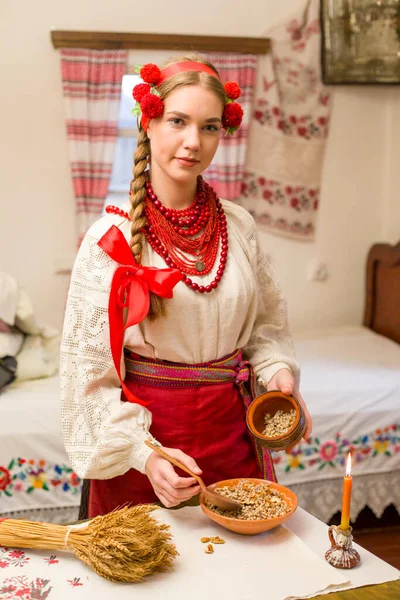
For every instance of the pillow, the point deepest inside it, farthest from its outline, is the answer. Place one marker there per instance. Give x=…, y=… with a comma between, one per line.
x=10, y=343
x=38, y=358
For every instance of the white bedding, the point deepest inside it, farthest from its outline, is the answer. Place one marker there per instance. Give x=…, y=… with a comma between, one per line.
x=34, y=473
x=350, y=381
x=351, y=384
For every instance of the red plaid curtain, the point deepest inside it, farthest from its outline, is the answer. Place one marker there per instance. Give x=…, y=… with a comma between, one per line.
x=225, y=173
x=92, y=88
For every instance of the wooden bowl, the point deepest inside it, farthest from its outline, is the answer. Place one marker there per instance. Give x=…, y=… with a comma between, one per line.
x=251, y=526
x=270, y=402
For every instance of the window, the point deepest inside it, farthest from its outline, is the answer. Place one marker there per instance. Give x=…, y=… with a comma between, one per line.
x=118, y=191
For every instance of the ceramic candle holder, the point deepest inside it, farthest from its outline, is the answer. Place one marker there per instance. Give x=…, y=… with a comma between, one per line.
x=270, y=402
x=341, y=554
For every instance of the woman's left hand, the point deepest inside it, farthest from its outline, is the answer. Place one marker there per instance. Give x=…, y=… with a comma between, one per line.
x=284, y=381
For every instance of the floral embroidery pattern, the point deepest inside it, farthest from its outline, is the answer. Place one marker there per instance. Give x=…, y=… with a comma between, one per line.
x=26, y=476
x=20, y=587
x=290, y=121
x=75, y=582
x=283, y=225
x=5, y=478
x=300, y=35
x=15, y=558
x=300, y=198
x=51, y=560
x=304, y=126
x=332, y=453
x=297, y=81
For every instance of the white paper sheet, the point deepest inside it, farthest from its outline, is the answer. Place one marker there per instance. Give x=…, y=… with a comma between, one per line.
x=276, y=564
x=285, y=563
x=371, y=570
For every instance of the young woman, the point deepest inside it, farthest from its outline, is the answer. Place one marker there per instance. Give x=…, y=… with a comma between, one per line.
x=172, y=309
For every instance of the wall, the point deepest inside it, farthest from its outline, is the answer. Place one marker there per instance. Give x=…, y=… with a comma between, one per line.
x=351, y=215
x=37, y=216
x=391, y=223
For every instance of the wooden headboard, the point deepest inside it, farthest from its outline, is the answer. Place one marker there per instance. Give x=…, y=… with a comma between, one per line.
x=382, y=307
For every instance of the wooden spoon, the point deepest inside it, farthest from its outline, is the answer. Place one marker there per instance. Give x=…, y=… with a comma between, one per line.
x=210, y=495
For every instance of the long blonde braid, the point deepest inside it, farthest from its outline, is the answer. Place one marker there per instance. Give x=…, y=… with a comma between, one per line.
x=136, y=213
x=137, y=187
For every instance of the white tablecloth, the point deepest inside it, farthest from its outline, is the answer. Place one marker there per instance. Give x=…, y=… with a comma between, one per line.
x=287, y=562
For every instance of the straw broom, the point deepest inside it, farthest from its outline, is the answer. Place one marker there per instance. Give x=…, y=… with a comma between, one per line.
x=125, y=545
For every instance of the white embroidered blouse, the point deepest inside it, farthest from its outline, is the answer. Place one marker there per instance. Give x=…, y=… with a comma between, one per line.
x=104, y=437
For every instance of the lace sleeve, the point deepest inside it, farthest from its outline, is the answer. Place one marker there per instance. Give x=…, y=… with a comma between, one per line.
x=104, y=437
x=270, y=346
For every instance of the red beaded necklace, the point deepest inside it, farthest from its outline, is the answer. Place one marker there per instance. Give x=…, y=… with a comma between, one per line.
x=196, y=231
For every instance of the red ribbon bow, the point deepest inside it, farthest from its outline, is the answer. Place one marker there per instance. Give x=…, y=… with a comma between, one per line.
x=130, y=289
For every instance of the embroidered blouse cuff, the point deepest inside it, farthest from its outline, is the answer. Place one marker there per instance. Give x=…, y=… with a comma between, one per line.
x=268, y=373
x=141, y=452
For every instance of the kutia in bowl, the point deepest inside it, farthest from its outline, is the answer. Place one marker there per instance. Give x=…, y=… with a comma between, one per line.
x=265, y=505
x=276, y=420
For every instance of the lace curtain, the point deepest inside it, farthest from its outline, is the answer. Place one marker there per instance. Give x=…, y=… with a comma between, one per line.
x=323, y=498
x=91, y=88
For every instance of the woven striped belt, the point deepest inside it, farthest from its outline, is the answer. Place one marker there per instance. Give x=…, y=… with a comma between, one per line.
x=155, y=372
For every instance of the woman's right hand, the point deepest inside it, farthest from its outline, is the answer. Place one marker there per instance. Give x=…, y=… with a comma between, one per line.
x=167, y=485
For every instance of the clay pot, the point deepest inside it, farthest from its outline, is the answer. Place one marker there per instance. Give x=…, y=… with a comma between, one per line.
x=270, y=402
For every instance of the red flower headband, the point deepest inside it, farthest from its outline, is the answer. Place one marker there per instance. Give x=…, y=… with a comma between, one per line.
x=150, y=106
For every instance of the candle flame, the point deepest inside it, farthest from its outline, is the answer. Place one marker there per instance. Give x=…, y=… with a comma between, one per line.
x=348, y=465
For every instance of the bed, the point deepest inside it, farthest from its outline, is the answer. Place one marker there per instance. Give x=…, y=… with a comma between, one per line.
x=350, y=381
x=36, y=481
x=351, y=384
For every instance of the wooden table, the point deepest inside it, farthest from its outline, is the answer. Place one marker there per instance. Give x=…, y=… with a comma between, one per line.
x=382, y=591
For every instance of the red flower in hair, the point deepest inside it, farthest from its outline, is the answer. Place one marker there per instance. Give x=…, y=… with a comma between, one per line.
x=150, y=73
x=232, y=90
x=232, y=116
x=140, y=90
x=152, y=106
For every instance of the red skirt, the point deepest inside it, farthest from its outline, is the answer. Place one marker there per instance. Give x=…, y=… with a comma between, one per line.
x=200, y=409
